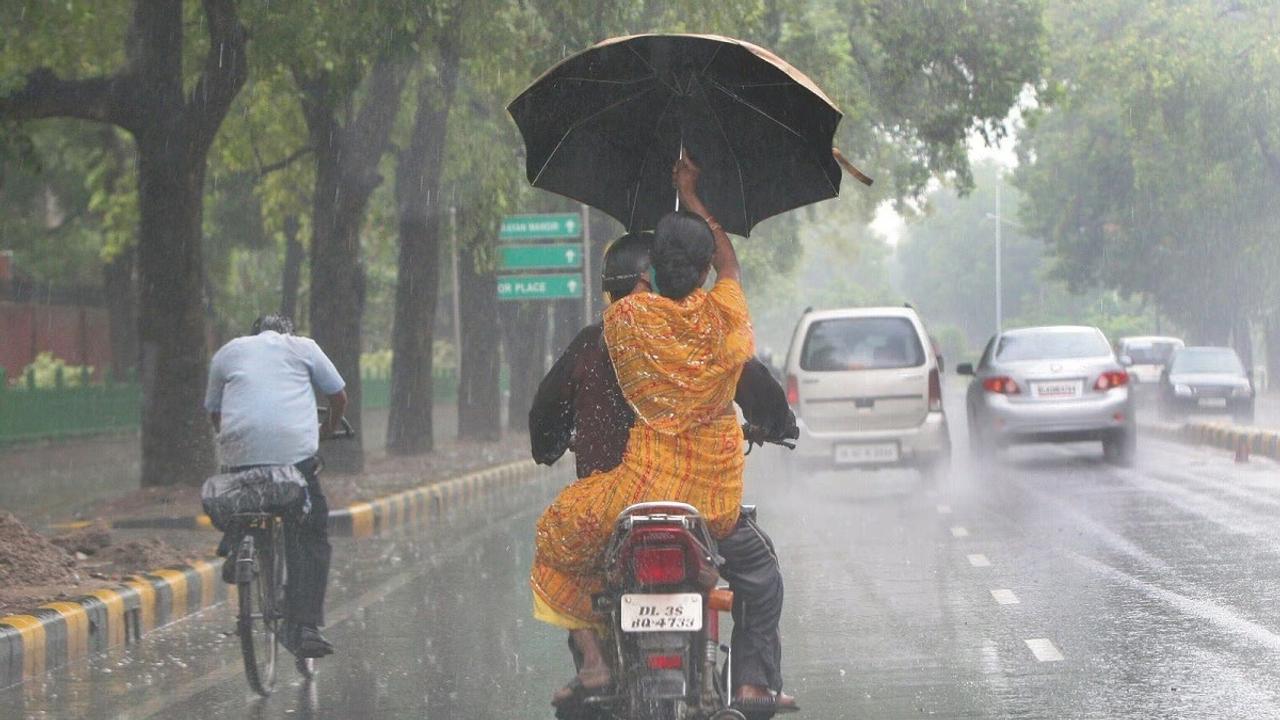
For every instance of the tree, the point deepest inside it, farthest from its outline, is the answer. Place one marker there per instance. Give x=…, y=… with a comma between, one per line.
x=419, y=167
x=173, y=129
x=1148, y=167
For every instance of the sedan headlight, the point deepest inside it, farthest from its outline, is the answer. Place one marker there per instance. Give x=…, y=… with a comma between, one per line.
x=1242, y=391
x=1181, y=390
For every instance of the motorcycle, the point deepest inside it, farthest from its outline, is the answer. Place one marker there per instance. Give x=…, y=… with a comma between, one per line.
x=663, y=601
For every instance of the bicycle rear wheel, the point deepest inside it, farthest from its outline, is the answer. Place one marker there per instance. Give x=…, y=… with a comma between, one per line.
x=256, y=576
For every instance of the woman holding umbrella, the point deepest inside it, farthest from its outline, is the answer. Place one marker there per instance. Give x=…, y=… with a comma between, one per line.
x=678, y=356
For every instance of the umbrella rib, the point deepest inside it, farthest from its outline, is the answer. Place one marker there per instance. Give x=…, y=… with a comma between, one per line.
x=776, y=121
x=603, y=81
x=742, y=187
x=578, y=124
x=640, y=57
x=635, y=196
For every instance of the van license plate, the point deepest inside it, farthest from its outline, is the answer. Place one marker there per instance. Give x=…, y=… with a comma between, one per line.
x=675, y=612
x=1213, y=402
x=866, y=453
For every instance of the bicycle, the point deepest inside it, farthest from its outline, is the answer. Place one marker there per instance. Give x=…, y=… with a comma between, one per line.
x=261, y=575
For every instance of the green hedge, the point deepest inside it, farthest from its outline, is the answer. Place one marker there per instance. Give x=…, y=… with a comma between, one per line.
x=34, y=413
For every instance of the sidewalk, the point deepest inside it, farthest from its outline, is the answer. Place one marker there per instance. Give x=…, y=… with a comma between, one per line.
x=57, y=480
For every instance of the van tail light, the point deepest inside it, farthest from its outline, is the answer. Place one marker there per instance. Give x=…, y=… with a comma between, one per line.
x=1001, y=385
x=793, y=391
x=665, y=662
x=935, y=391
x=1111, y=379
x=660, y=565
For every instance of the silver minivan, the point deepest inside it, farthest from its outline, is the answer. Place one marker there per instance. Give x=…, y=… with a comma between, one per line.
x=866, y=387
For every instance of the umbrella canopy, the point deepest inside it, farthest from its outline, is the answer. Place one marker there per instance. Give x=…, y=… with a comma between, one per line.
x=605, y=126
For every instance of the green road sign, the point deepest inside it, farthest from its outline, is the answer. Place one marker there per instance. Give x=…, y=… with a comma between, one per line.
x=541, y=257
x=561, y=286
x=537, y=227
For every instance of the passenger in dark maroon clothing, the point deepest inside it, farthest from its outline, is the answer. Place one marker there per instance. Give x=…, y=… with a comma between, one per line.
x=580, y=407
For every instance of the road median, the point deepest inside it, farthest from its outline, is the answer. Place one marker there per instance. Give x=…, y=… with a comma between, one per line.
x=57, y=633
x=1264, y=442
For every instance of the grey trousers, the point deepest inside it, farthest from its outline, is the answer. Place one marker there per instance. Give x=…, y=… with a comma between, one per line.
x=751, y=567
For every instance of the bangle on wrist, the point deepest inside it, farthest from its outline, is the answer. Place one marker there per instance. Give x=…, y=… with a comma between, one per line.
x=713, y=223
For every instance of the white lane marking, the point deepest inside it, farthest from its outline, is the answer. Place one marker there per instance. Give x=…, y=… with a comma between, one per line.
x=1005, y=597
x=944, y=509
x=1044, y=650
x=959, y=532
x=1222, y=616
x=979, y=560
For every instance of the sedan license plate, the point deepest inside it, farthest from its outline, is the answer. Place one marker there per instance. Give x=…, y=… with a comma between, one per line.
x=1213, y=402
x=866, y=453
x=674, y=612
x=1056, y=390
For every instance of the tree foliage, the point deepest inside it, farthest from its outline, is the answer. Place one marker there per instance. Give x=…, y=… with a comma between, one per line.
x=1151, y=167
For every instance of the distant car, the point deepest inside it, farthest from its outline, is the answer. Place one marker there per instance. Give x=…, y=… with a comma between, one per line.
x=866, y=387
x=1148, y=355
x=1206, y=380
x=1050, y=384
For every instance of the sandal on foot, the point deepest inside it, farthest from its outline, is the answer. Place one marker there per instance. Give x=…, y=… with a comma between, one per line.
x=579, y=693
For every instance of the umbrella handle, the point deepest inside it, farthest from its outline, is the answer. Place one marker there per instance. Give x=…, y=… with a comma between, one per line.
x=849, y=168
x=681, y=157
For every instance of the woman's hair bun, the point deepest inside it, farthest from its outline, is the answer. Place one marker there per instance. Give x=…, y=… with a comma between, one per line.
x=682, y=250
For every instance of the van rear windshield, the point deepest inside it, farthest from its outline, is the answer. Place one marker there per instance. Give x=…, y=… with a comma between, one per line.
x=870, y=343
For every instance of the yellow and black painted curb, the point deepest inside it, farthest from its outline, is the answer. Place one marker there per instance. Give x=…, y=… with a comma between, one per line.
x=1265, y=443
x=60, y=632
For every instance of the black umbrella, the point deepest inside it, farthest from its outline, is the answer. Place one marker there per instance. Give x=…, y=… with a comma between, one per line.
x=605, y=126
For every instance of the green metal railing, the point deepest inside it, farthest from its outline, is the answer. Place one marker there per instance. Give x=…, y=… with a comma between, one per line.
x=28, y=412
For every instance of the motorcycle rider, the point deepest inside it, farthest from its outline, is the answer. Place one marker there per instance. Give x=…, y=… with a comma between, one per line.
x=261, y=402
x=580, y=405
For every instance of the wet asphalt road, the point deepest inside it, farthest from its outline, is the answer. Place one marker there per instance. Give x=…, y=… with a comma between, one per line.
x=1048, y=586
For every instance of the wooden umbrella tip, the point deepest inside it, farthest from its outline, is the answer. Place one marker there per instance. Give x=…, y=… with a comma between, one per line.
x=849, y=168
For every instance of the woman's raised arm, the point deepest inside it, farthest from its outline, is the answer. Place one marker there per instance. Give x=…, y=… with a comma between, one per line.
x=684, y=176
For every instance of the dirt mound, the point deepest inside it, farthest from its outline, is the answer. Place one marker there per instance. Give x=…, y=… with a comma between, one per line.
x=28, y=558
x=88, y=540
x=140, y=555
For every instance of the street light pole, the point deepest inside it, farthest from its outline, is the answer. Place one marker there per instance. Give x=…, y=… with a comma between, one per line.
x=999, y=288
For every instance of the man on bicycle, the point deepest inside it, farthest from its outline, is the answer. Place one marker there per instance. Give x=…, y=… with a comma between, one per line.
x=261, y=401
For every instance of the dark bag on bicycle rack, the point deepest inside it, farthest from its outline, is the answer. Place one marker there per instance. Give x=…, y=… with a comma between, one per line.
x=275, y=489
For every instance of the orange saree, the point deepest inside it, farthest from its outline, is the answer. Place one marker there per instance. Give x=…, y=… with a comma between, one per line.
x=678, y=364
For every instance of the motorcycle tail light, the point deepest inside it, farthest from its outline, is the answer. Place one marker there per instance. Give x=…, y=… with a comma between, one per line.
x=1001, y=385
x=1111, y=379
x=662, y=565
x=935, y=391
x=665, y=662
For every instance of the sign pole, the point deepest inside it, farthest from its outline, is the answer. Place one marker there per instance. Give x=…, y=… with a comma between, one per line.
x=457, y=291
x=586, y=266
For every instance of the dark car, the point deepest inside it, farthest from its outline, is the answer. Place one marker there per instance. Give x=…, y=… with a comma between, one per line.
x=1206, y=380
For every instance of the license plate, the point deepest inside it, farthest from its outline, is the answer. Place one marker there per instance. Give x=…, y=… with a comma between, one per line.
x=674, y=612
x=864, y=453
x=1213, y=402
x=1057, y=390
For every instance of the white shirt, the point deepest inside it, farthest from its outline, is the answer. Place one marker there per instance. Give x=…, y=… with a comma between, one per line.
x=263, y=386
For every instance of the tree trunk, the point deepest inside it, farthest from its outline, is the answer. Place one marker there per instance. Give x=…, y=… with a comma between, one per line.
x=479, y=395
x=291, y=276
x=1242, y=341
x=346, y=175
x=338, y=294
x=122, y=312
x=410, y=429
x=524, y=336
x=1271, y=335
x=176, y=439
